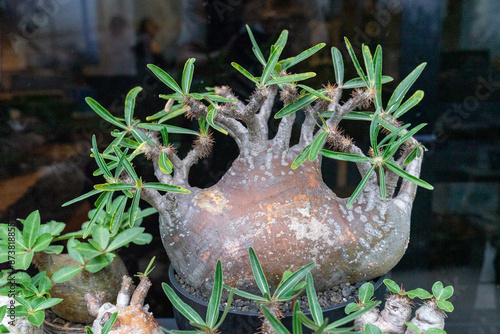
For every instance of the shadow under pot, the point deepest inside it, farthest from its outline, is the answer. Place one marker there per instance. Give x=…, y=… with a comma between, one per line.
x=73, y=308
x=237, y=322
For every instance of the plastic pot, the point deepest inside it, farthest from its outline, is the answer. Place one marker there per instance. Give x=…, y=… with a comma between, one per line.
x=249, y=322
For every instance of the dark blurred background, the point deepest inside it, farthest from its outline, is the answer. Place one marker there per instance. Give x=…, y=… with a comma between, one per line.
x=54, y=53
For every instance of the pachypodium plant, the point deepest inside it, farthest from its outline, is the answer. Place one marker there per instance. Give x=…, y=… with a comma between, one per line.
x=397, y=312
x=273, y=197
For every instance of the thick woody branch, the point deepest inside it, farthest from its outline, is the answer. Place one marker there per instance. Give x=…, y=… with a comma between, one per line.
x=234, y=128
x=408, y=189
x=359, y=99
x=363, y=168
x=141, y=291
x=266, y=110
x=162, y=204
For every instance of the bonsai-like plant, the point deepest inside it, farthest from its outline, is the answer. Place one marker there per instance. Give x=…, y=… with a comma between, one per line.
x=273, y=197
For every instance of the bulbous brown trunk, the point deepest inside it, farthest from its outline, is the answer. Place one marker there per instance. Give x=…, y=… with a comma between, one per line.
x=74, y=307
x=290, y=218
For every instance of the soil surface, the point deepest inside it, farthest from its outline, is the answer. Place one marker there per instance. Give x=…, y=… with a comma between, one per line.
x=335, y=295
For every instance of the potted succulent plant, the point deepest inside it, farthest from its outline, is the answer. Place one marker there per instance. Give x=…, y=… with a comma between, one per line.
x=273, y=197
x=88, y=265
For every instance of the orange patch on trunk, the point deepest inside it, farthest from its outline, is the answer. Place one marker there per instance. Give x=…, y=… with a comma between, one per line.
x=206, y=255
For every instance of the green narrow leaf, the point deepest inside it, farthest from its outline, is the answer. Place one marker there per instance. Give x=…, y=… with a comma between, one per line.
x=317, y=145
x=410, y=103
x=295, y=105
x=134, y=207
x=169, y=128
x=412, y=156
x=164, y=136
x=246, y=295
x=127, y=165
x=338, y=65
x=291, y=78
x=351, y=317
x=23, y=260
x=360, y=187
x=258, y=274
x=187, y=75
x=103, y=113
x=381, y=177
x=377, y=61
x=113, y=186
x=315, y=92
x=165, y=78
x=245, y=72
x=101, y=202
x=302, y=56
x=402, y=88
x=316, y=312
x=109, y=324
x=66, y=273
x=358, y=82
x=435, y=331
x=396, y=145
x=413, y=327
x=130, y=105
x=273, y=59
x=255, y=48
x=302, y=157
x=214, y=302
x=370, y=69
x=275, y=323
x=173, y=114
x=164, y=163
x=296, y=323
x=165, y=187
x=408, y=176
x=355, y=62
x=374, y=130
x=99, y=159
x=182, y=307
x=212, y=113
x=31, y=228
x=344, y=156
x=290, y=282
x=48, y=303
x=281, y=42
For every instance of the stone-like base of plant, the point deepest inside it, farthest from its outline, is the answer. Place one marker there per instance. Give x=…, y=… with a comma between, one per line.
x=55, y=325
x=246, y=318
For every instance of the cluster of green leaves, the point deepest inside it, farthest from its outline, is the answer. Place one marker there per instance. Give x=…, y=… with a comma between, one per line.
x=35, y=237
x=31, y=294
x=130, y=135
x=107, y=236
x=290, y=287
x=440, y=294
x=385, y=149
x=212, y=320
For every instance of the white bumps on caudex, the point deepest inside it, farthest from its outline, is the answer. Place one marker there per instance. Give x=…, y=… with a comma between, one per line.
x=133, y=316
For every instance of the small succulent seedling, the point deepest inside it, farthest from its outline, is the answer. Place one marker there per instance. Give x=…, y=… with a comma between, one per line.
x=212, y=321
